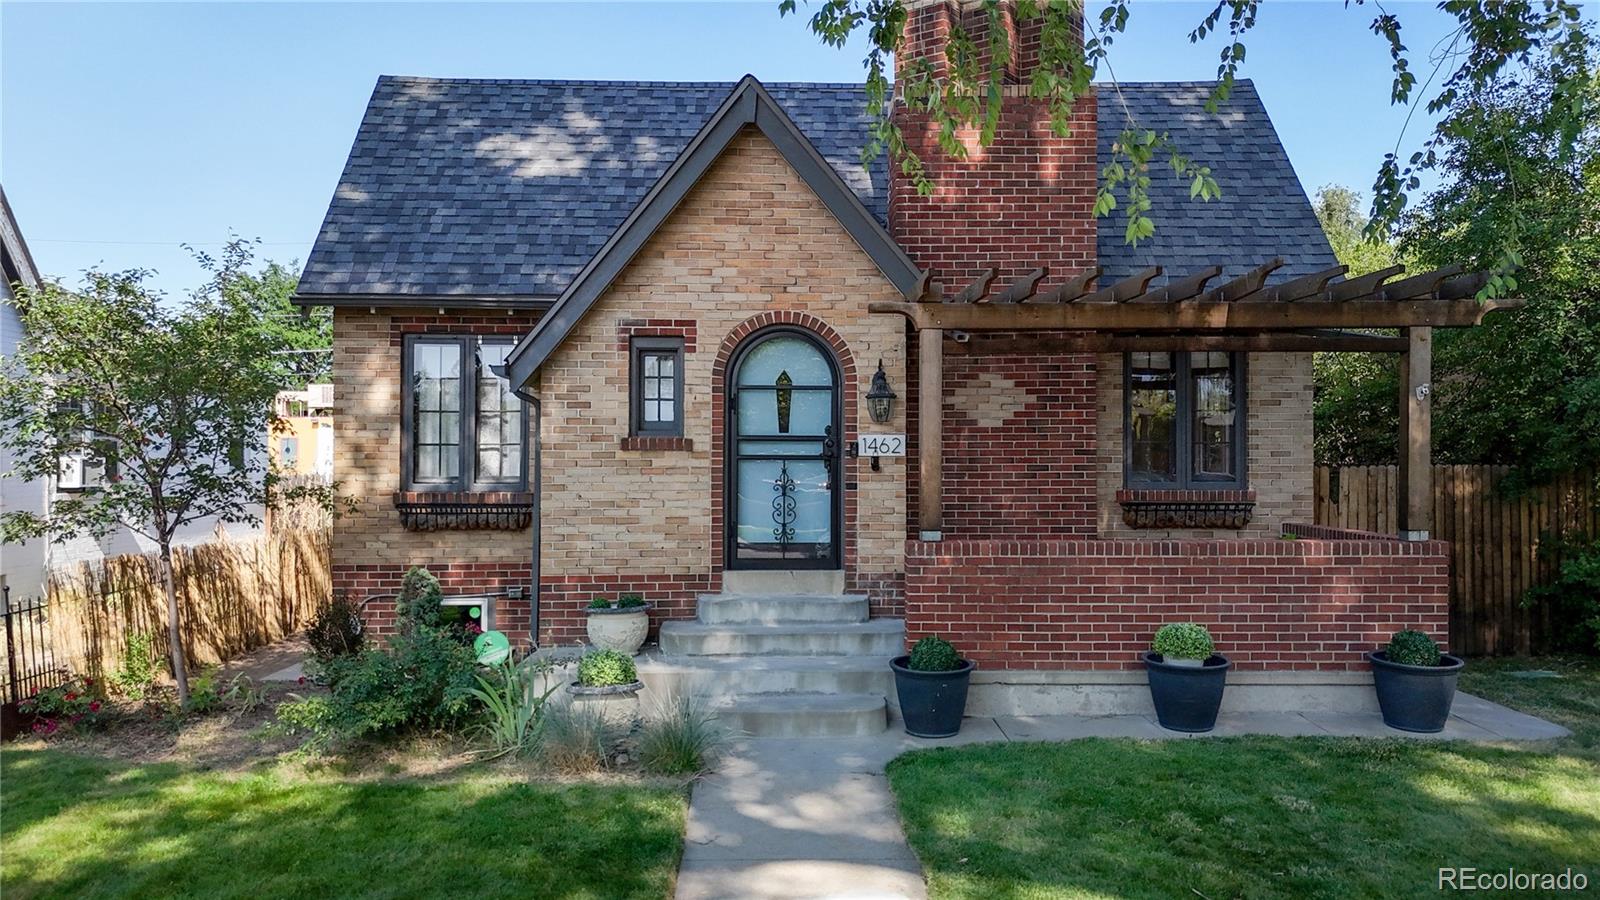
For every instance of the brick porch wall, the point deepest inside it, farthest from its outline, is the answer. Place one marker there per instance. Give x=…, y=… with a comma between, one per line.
x=1094, y=604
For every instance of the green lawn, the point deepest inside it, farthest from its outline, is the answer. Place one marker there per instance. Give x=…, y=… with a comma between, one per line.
x=1572, y=699
x=79, y=827
x=1260, y=817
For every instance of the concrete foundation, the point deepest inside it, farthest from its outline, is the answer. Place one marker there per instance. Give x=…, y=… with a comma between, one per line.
x=1126, y=692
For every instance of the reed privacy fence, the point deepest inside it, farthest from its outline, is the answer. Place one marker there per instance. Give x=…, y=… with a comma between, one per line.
x=234, y=596
x=1500, y=545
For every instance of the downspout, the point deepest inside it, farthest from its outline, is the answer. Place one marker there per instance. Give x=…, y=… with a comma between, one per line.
x=538, y=483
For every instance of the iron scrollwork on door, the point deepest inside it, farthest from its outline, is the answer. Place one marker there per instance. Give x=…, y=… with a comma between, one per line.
x=830, y=446
x=784, y=508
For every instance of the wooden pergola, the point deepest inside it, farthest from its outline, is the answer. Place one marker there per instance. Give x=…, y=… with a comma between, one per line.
x=1309, y=313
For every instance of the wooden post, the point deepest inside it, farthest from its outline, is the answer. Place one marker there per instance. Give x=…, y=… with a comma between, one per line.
x=930, y=434
x=1415, y=490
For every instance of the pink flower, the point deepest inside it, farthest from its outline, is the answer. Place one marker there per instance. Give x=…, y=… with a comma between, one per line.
x=88, y=682
x=301, y=680
x=70, y=697
x=94, y=706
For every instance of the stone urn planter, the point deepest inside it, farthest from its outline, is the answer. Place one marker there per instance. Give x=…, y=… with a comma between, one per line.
x=931, y=683
x=619, y=628
x=615, y=703
x=1415, y=698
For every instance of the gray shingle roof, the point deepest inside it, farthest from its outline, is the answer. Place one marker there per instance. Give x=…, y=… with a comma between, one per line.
x=506, y=188
x=1263, y=211
x=460, y=187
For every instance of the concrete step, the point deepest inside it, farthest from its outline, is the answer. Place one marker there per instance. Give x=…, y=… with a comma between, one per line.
x=876, y=637
x=805, y=715
x=783, y=581
x=779, y=609
x=721, y=677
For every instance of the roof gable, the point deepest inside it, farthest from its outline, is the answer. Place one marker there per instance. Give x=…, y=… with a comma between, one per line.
x=748, y=104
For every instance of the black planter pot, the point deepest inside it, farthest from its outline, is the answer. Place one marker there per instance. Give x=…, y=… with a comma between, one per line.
x=1187, y=697
x=1415, y=698
x=931, y=702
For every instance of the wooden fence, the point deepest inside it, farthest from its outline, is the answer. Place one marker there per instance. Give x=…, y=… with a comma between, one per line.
x=1501, y=544
x=234, y=596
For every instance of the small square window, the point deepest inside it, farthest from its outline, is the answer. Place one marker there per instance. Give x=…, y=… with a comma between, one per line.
x=656, y=387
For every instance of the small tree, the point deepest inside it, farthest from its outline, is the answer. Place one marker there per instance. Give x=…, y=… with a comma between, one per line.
x=171, y=402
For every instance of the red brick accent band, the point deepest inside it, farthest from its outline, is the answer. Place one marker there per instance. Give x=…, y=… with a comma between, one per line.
x=1094, y=604
x=1149, y=495
x=628, y=329
x=512, y=616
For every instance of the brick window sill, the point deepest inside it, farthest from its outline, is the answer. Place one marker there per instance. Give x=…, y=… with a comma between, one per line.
x=464, y=510
x=653, y=442
x=1164, y=508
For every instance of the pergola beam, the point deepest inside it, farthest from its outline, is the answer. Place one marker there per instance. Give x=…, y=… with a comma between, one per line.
x=1021, y=290
x=1075, y=288
x=1195, y=315
x=1101, y=342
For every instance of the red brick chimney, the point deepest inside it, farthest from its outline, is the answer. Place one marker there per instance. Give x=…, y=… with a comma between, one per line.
x=1025, y=200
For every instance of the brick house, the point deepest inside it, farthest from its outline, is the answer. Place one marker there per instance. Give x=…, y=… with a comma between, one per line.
x=604, y=337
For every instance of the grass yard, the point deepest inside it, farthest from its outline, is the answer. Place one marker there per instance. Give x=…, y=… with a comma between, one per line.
x=80, y=827
x=1262, y=817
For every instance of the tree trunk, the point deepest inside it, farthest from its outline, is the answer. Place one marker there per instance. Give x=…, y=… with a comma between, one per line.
x=180, y=672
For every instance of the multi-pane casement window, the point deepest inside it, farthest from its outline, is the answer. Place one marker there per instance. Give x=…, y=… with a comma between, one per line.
x=656, y=392
x=1185, y=420
x=464, y=428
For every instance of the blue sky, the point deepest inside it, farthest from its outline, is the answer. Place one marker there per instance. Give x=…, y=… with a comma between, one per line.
x=126, y=129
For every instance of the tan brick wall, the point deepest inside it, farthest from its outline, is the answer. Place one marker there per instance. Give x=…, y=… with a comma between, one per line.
x=367, y=350
x=750, y=238
x=1279, y=455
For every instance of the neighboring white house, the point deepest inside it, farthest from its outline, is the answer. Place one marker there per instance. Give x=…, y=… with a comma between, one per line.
x=24, y=566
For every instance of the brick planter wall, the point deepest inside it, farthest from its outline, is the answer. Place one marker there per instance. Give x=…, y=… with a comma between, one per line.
x=1094, y=604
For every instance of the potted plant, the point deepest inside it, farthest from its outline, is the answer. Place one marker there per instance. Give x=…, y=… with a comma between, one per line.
x=621, y=627
x=1416, y=683
x=609, y=683
x=1186, y=677
x=931, y=682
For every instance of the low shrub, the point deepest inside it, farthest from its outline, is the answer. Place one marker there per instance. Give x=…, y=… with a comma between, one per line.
x=513, y=705
x=205, y=691
x=423, y=680
x=136, y=671
x=420, y=600
x=75, y=703
x=605, y=668
x=600, y=603
x=630, y=601
x=337, y=630
x=577, y=739
x=1183, y=640
x=1412, y=648
x=933, y=654
x=1573, y=597
x=680, y=737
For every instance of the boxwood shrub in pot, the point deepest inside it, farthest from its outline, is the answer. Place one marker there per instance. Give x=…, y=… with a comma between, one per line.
x=931, y=682
x=1416, y=684
x=621, y=626
x=609, y=683
x=1187, y=677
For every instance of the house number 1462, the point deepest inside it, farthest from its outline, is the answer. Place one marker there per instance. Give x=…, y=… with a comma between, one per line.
x=881, y=445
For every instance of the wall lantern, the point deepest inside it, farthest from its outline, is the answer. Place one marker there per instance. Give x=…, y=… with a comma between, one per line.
x=880, y=399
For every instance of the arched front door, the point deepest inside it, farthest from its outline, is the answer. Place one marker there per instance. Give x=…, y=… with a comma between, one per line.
x=784, y=459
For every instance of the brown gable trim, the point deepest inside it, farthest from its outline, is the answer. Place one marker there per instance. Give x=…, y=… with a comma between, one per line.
x=748, y=103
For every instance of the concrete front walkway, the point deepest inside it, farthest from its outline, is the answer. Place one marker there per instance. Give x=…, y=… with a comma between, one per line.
x=814, y=818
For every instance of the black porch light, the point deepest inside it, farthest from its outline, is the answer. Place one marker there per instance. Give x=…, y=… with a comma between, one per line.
x=880, y=399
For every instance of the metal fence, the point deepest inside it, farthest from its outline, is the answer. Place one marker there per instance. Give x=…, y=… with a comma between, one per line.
x=31, y=667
